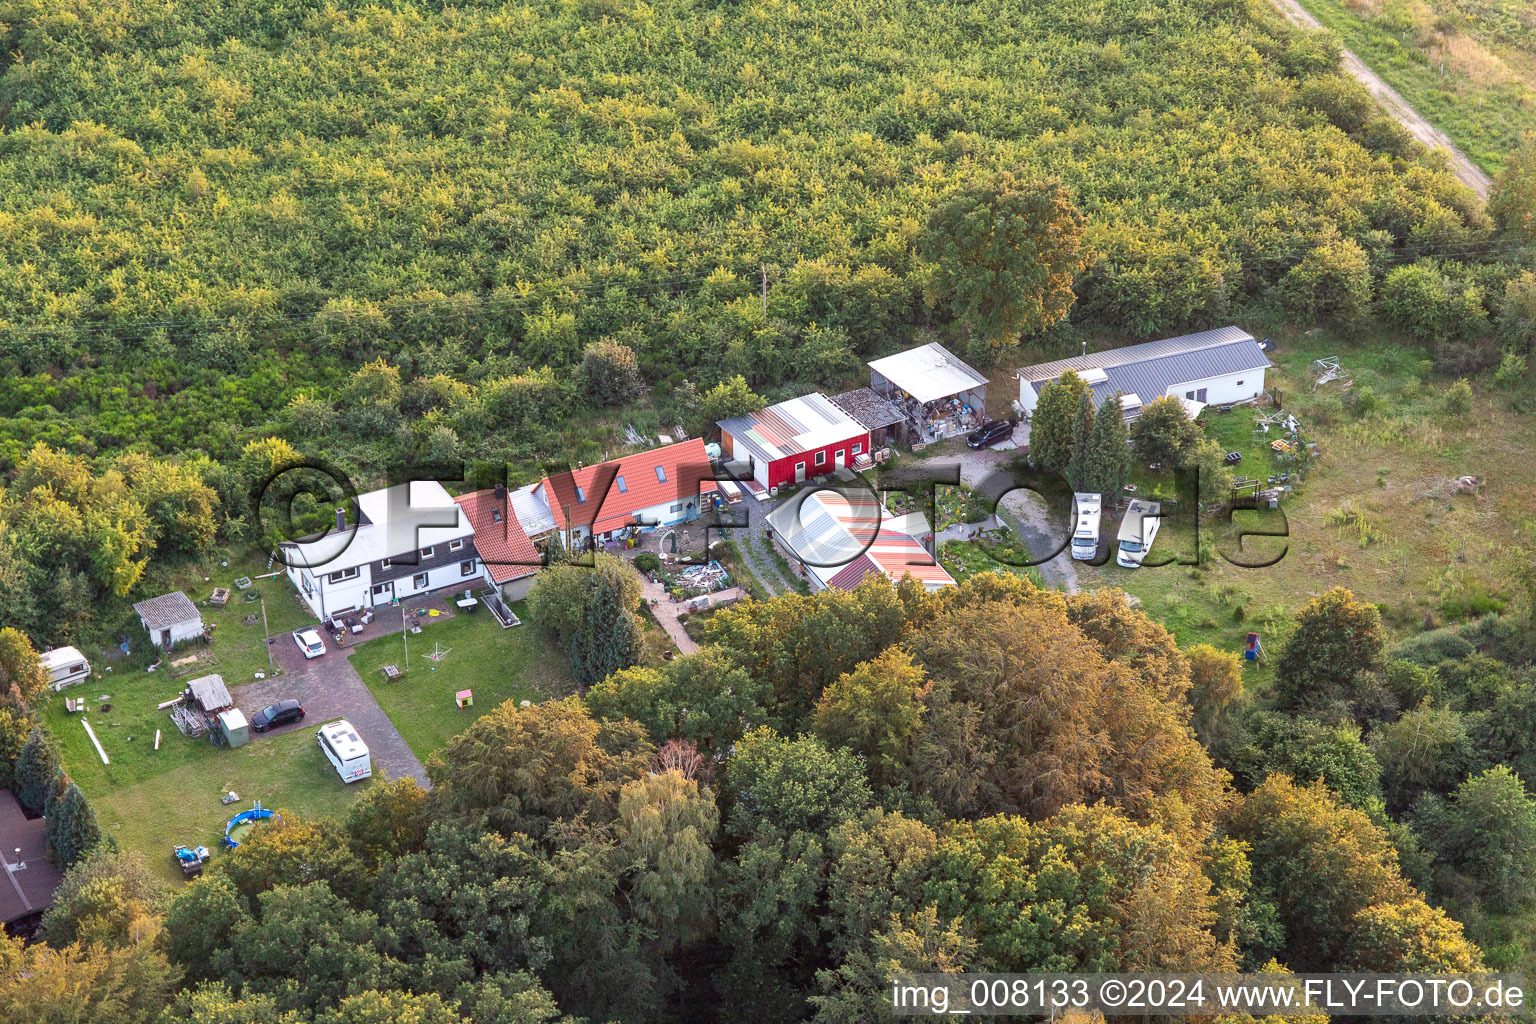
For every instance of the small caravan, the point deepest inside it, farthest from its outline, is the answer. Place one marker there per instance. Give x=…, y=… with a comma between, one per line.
x=345, y=749
x=1137, y=532
x=1085, y=525
x=65, y=666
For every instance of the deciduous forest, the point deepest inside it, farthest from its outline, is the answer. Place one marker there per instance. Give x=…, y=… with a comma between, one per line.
x=209, y=217
x=237, y=236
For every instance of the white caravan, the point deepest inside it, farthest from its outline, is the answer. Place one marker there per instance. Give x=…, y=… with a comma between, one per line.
x=1137, y=532
x=345, y=749
x=1085, y=519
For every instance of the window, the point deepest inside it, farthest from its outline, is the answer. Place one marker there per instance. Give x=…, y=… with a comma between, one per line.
x=419, y=581
x=661, y=473
x=427, y=552
x=467, y=568
x=307, y=588
x=345, y=574
x=581, y=495
x=456, y=545
x=623, y=487
x=1239, y=383
x=1189, y=395
x=821, y=458
x=381, y=588
x=384, y=564
x=858, y=447
x=495, y=515
x=677, y=508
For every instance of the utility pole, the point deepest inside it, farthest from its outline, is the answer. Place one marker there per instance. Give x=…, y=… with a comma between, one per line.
x=764, y=267
x=266, y=634
x=405, y=634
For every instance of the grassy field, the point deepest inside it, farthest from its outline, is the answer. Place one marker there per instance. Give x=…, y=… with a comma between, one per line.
x=238, y=650
x=1469, y=66
x=151, y=799
x=1354, y=521
x=497, y=664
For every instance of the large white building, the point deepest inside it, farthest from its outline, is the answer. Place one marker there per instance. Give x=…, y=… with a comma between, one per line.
x=1210, y=368
x=408, y=539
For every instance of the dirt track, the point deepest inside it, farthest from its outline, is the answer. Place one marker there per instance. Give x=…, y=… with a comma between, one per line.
x=1388, y=97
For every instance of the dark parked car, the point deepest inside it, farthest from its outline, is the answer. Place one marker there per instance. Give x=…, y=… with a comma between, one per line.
x=990, y=433
x=273, y=715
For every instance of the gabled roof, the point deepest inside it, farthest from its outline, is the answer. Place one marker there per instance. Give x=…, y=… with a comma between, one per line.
x=793, y=427
x=841, y=536
x=606, y=496
x=210, y=692
x=499, y=537
x=1150, y=369
x=167, y=610
x=928, y=372
x=393, y=522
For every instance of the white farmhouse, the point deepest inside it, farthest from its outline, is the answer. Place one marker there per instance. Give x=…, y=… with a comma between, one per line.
x=1210, y=368
x=408, y=539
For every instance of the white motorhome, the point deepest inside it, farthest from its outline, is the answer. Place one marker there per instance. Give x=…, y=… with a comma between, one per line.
x=345, y=749
x=65, y=666
x=1085, y=529
x=1137, y=532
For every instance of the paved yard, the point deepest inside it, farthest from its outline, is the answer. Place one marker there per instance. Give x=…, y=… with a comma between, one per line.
x=330, y=688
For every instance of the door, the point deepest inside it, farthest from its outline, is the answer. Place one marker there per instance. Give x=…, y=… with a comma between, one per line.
x=383, y=593
x=799, y=472
x=840, y=459
x=165, y=639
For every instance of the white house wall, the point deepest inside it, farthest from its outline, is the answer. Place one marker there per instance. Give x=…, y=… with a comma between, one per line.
x=330, y=598
x=1231, y=387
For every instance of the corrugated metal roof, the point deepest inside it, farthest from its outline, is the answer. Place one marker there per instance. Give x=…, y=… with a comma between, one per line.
x=167, y=610
x=928, y=372
x=1152, y=377
x=871, y=411
x=840, y=535
x=210, y=692
x=1136, y=353
x=792, y=427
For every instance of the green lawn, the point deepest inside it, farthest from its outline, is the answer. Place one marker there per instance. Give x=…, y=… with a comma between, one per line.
x=151, y=799
x=237, y=652
x=497, y=664
x=1476, y=90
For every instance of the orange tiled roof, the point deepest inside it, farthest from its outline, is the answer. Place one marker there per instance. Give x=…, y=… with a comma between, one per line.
x=605, y=496
x=504, y=547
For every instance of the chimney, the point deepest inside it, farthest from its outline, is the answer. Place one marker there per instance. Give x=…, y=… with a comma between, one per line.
x=341, y=519
x=501, y=492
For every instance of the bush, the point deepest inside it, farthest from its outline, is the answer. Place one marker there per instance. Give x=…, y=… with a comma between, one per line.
x=610, y=373
x=1332, y=283
x=1458, y=398
x=1365, y=400
x=1511, y=371
x=647, y=562
x=1424, y=301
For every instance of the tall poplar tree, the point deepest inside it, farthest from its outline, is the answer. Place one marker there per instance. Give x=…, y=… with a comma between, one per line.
x=1052, y=425
x=1080, y=467
x=1110, y=457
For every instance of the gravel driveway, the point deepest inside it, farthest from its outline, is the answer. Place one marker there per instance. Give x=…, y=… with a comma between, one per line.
x=1024, y=511
x=330, y=688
